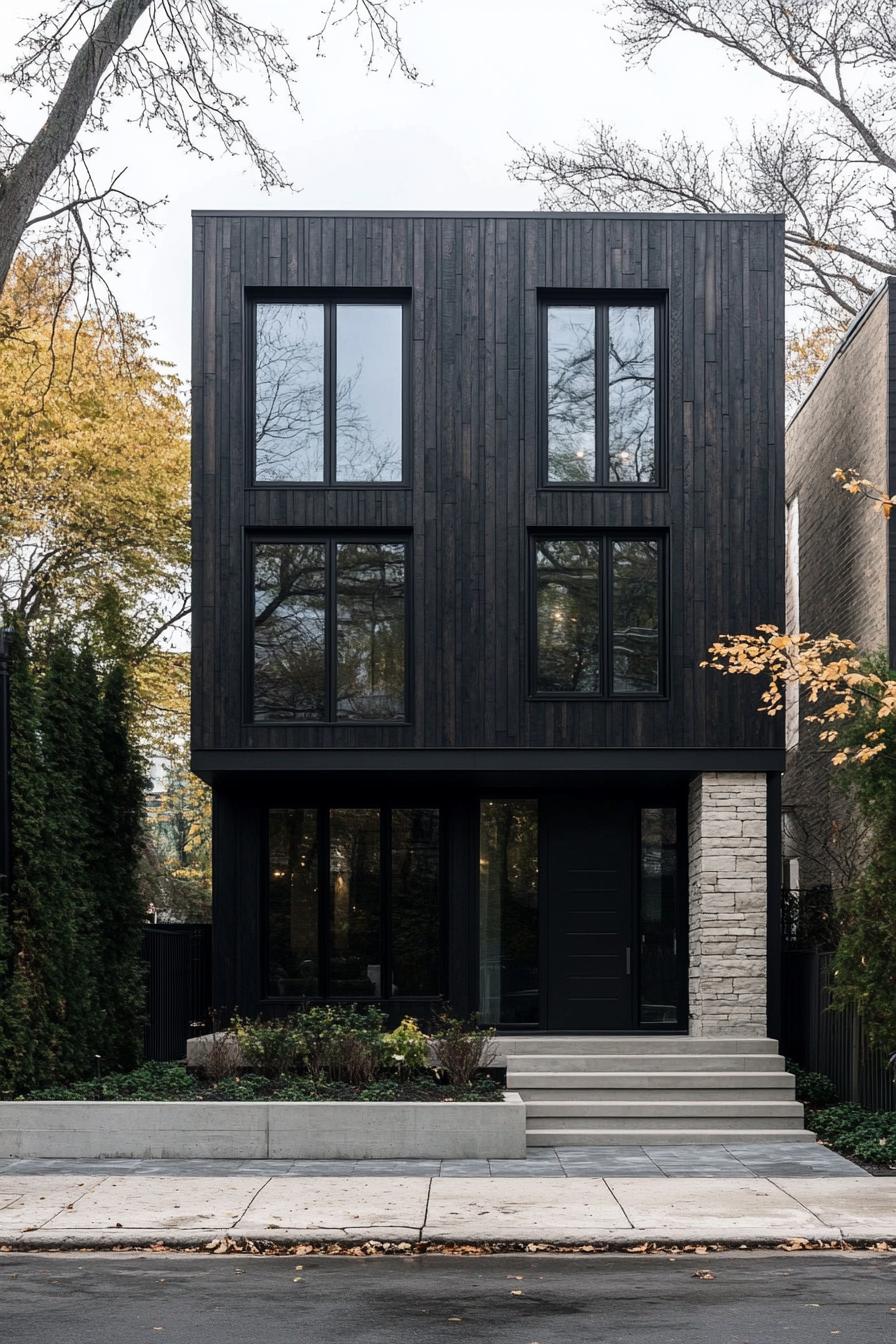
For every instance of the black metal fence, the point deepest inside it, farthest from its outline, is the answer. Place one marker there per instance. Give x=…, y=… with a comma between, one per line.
x=819, y=1038
x=178, y=985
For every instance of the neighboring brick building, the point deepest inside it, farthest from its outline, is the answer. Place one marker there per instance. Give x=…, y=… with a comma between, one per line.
x=841, y=562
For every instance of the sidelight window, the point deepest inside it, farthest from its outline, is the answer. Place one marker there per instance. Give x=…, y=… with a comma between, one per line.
x=329, y=625
x=328, y=392
x=508, y=911
x=600, y=402
x=597, y=615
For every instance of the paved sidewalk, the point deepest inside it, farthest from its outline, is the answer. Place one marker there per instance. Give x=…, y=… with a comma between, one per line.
x=70, y=1211
x=704, y=1160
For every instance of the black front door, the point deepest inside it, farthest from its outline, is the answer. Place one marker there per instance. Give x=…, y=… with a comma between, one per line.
x=588, y=892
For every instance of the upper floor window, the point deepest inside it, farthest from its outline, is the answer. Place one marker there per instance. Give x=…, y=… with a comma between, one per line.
x=329, y=630
x=598, y=615
x=328, y=392
x=600, y=378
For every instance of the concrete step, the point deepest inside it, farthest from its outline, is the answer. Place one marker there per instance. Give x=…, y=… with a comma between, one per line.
x=783, y=1112
x=652, y=1083
x=507, y=1047
x=671, y=1124
x=654, y=1095
x=542, y=1136
x=595, y=1062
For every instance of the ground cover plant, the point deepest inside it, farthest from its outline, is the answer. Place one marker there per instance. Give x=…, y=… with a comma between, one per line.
x=323, y=1053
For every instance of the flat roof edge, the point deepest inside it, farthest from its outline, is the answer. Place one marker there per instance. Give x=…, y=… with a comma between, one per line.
x=480, y=214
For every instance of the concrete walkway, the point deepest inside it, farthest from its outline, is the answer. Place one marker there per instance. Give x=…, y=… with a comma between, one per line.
x=87, y=1207
x=708, y=1160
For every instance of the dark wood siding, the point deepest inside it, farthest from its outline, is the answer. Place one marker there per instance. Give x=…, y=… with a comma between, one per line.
x=473, y=284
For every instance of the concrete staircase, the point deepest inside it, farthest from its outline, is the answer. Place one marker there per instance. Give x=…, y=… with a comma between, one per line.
x=646, y=1090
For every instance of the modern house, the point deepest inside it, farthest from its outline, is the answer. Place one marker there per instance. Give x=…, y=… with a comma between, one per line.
x=841, y=570
x=472, y=496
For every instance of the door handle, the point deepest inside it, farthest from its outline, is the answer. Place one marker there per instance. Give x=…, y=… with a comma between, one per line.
x=628, y=961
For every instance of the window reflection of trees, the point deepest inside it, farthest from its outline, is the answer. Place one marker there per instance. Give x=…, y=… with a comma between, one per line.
x=290, y=378
x=632, y=383
x=370, y=630
x=508, y=911
x=571, y=394
x=635, y=617
x=355, y=955
x=292, y=903
x=290, y=630
x=568, y=615
x=289, y=392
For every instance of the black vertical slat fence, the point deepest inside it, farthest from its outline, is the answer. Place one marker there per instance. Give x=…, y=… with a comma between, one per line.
x=827, y=1041
x=178, y=986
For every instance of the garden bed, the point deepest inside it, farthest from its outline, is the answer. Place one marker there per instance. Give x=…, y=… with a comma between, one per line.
x=264, y=1129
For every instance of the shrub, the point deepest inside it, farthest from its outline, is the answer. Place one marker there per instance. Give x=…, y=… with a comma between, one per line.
x=813, y=1089
x=869, y=1135
x=152, y=1081
x=461, y=1048
x=406, y=1048
x=271, y=1047
x=342, y=1043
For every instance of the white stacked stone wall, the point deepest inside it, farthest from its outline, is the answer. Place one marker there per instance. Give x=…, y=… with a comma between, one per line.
x=728, y=895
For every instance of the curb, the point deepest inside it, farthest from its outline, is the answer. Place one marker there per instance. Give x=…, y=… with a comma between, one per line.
x=294, y=1243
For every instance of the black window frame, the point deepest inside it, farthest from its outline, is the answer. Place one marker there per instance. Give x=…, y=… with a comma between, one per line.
x=330, y=298
x=605, y=537
x=324, y=905
x=330, y=538
x=602, y=301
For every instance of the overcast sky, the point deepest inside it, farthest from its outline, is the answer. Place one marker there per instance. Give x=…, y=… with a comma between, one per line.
x=533, y=69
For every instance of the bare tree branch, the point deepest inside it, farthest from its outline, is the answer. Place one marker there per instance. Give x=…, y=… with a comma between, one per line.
x=828, y=163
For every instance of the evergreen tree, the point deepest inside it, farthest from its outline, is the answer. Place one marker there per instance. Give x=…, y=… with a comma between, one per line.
x=29, y=962
x=121, y=911
x=65, y=841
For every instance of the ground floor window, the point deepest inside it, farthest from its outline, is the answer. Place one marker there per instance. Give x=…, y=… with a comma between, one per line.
x=659, y=969
x=508, y=911
x=354, y=903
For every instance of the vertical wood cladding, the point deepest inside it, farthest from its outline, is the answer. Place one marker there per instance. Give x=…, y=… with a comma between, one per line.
x=474, y=495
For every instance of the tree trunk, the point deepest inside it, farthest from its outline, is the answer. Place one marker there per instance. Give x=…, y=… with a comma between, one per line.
x=25, y=182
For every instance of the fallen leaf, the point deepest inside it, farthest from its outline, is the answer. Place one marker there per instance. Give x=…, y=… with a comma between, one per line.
x=516, y=1292
x=703, y=1274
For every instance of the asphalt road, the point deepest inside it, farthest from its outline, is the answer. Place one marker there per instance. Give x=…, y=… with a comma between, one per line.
x=754, y=1298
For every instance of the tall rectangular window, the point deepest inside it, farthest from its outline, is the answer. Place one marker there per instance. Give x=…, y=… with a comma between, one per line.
x=329, y=630
x=597, y=614
x=329, y=392
x=508, y=911
x=660, y=981
x=601, y=390
x=354, y=903
x=293, y=965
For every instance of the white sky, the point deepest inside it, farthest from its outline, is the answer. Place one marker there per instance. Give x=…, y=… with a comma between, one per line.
x=534, y=69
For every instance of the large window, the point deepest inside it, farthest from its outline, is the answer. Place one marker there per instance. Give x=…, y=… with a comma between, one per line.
x=354, y=903
x=598, y=615
x=508, y=911
x=600, y=380
x=328, y=392
x=329, y=630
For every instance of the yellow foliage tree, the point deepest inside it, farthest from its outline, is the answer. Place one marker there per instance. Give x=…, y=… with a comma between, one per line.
x=828, y=669
x=94, y=486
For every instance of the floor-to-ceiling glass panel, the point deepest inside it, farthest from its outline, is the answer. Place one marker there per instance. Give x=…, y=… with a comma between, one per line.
x=508, y=911
x=571, y=394
x=636, y=617
x=370, y=630
x=368, y=392
x=659, y=972
x=292, y=927
x=355, y=899
x=415, y=906
x=289, y=392
x=567, y=601
x=289, y=630
x=632, y=394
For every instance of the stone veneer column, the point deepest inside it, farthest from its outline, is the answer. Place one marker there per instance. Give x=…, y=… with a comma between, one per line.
x=728, y=894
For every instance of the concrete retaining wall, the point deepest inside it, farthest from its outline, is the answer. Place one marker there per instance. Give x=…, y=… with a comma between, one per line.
x=249, y=1129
